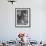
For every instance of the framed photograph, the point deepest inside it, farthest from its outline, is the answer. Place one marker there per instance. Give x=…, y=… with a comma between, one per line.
x=22, y=17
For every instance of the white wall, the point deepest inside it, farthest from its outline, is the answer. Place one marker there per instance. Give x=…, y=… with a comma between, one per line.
x=8, y=31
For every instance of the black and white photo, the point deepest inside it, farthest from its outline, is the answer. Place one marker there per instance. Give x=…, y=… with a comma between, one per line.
x=22, y=17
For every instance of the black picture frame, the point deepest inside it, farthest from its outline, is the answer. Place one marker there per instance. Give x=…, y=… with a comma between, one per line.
x=22, y=17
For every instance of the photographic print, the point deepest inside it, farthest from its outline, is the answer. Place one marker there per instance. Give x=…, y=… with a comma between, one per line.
x=22, y=17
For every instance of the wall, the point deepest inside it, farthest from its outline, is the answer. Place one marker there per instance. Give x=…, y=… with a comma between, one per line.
x=8, y=31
